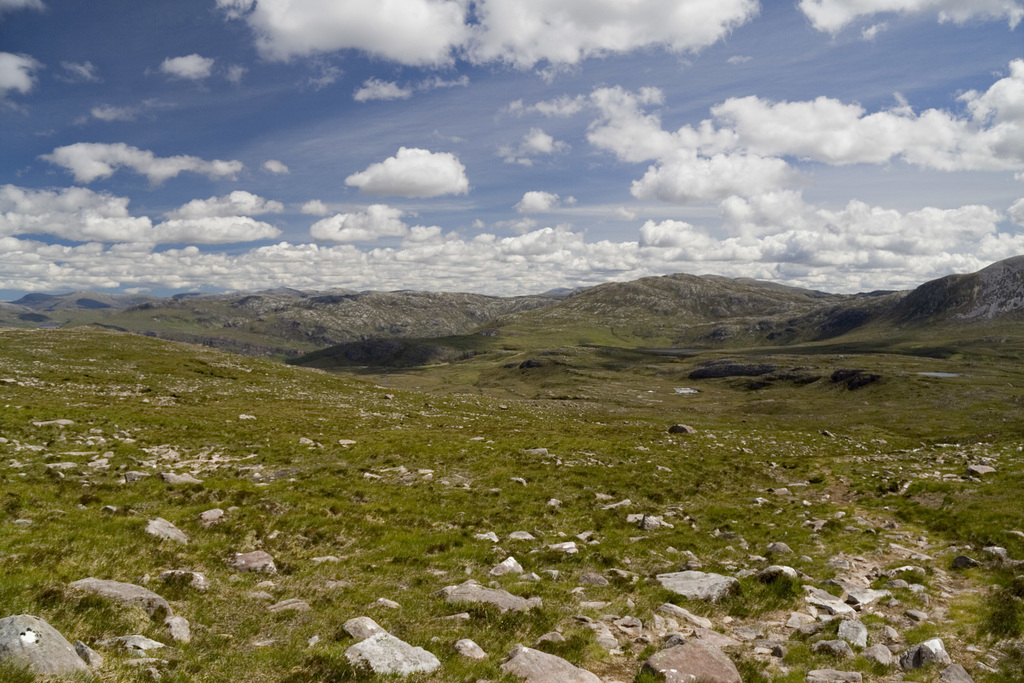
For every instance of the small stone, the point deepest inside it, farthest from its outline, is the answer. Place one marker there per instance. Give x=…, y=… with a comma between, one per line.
x=124, y=593
x=130, y=477
x=681, y=429
x=472, y=592
x=776, y=572
x=362, y=628
x=924, y=654
x=489, y=536
x=470, y=650
x=508, y=566
x=172, y=478
x=979, y=471
x=194, y=580
x=964, y=562
x=569, y=548
x=836, y=648
x=878, y=654
x=833, y=676
x=521, y=536
x=256, y=561
x=778, y=549
x=955, y=674
x=684, y=615
x=211, y=517
x=854, y=632
x=917, y=615
x=163, y=529
x=387, y=604
x=550, y=637
x=592, y=579
x=89, y=656
x=289, y=605
x=179, y=629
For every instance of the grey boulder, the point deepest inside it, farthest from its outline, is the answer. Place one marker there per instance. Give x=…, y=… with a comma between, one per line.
x=33, y=644
x=534, y=666
x=700, y=585
x=472, y=592
x=386, y=655
x=924, y=654
x=124, y=593
x=693, y=660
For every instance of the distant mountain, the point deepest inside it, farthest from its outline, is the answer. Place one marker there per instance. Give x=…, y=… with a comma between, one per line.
x=670, y=311
x=993, y=292
x=79, y=300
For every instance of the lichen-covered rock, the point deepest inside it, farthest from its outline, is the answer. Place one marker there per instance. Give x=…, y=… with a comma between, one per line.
x=256, y=561
x=700, y=585
x=472, y=592
x=163, y=529
x=125, y=594
x=534, y=666
x=693, y=660
x=31, y=643
x=386, y=655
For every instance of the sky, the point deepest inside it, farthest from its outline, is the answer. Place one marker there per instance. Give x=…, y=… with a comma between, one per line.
x=505, y=147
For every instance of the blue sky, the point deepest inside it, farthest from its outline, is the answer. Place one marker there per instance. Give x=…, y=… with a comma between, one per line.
x=506, y=146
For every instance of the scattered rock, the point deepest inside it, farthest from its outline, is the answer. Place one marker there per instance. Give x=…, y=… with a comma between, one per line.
x=470, y=650
x=31, y=643
x=472, y=592
x=778, y=549
x=89, y=656
x=569, y=548
x=955, y=674
x=125, y=594
x=362, y=628
x=980, y=471
x=256, y=561
x=854, y=632
x=964, y=562
x=700, y=585
x=836, y=648
x=878, y=654
x=521, y=536
x=489, y=536
x=134, y=643
x=184, y=577
x=289, y=605
x=692, y=661
x=827, y=602
x=681, y=614
x=681, y=429
x=833, y=676
x=917, y=615
x=534, y=666
x=775, y=572
x=179, y=630
x=172, y=478
x=211, y=517
x=507, y=566
x=386, y=655
x=924, y=654
x=163, y=529
x=592, y=579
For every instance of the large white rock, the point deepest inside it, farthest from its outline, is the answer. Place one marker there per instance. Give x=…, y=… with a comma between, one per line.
x=700, y=585
x=33, y=644
x=384, y=654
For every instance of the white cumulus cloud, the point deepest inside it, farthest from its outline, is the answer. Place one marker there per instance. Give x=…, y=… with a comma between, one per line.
x=834, y=15
x=214, y=230
x=191, y=67
x=74, y=213
x=414, y=32
x=525, y=32
x=685, y=177
x=536, y=201
x=413, y=173
x=90, y=161
x=315, y=207
x=535, y=143
x=376, y=89
x=17, y=72
x=237, y=203
x=11, y=5
x=378, y=220
x=276, y=167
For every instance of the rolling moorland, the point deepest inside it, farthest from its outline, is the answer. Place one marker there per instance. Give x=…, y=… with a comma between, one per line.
x=840, y=475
